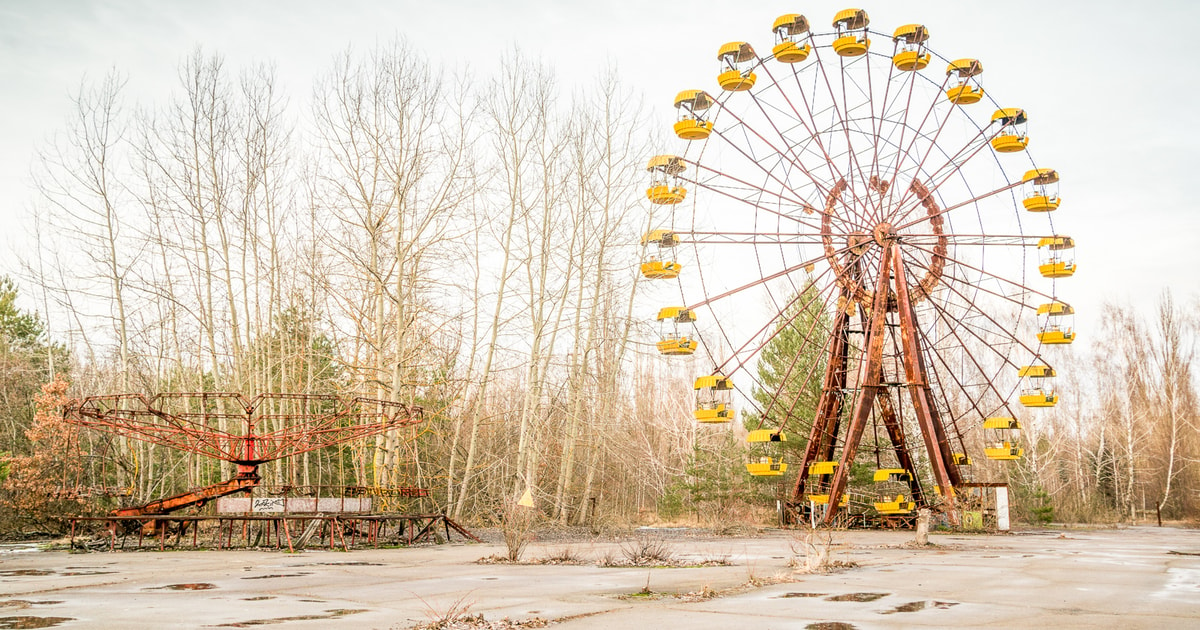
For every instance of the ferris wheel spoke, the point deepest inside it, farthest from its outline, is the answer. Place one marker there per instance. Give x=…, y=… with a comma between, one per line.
x=1003, y=279
x=750, y=238
x=999, y=240
x=954, y=207
x=796, y=160
x=835, y=173
x=972, y=306
x=764, y=280
x=825, y=303
x=991, y=382
x=770, y=174
x=841, y=114
x=797, y=355
x=975, y=145
x=753, y=204
x=903, y=154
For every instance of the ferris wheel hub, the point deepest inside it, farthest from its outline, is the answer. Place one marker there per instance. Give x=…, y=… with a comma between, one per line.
x=884, y=233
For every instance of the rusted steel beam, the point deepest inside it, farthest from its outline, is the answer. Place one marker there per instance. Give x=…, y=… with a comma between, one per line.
x=936, y=446
x=895, y=433
x=823, y=432
x=868, y=382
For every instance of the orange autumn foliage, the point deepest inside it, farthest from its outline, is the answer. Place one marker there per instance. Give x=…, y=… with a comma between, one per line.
x=41, y=487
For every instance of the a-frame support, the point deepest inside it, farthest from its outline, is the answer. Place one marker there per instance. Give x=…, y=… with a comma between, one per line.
x=872, y=395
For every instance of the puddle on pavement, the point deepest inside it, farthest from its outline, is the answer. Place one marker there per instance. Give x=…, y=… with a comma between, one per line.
x=830, y=625
x=194, y=586
x=13, y=623
x=275, y=575
x=25, y=573
x=857, y=597
x=329, y=614
x=788, y=595
x=906, y=608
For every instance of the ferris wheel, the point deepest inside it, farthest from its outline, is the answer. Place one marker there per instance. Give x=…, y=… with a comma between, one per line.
x=857, y=191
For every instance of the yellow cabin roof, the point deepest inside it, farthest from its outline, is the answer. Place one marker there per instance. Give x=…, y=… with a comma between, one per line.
x=765, y=435
x=965, y=67
x=1041, y=176
x=1037, y=371
x=716, y=381
x=885, y=474
x=852, y=18
x=1056, y=308
x=740, y=51
x=1056, y=242
x=794, y=23
x=1001, y=423
x=677, y=313
x=696, y=99
x=661, y=237
x=911, y=33
x=672, y=164
x=1016, y=113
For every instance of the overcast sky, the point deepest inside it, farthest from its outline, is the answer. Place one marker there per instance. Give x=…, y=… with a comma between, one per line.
x=1111, y=87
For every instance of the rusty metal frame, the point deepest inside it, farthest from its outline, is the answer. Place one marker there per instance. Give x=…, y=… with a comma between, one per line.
x=892, y=295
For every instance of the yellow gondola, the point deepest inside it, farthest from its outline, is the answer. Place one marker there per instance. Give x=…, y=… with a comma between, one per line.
x=910, y=47
x=892, y=474
x=766, y=467
x=961, y=459
x=851, y=40
x=1037, y=388
x=791, y=38
x=690, y=108
x=714, y=399
x=665, y=188
x=1057, y=323
x=900, y=506
x=822, y=468
x=1056, y=256
x=1041, y=190
x=660, y=262
x=966, y=88
x=1004, y=451
x=823, y=499
x=1012, y=136
x=765, y=435
x=675, y=323
x=737, y=61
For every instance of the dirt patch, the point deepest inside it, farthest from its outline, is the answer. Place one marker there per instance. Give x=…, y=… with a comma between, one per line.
x=906, y=608
x=26, y=573
x=790, y=595
x=857, y=597
x=258, y=599
x=830, y=625
x=13, y=623
x=478, y=622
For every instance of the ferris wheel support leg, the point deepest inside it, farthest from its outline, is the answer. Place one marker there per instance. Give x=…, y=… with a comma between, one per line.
x=869, y=374
x=896, y=434
x=936, y=444
x=822, y=436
